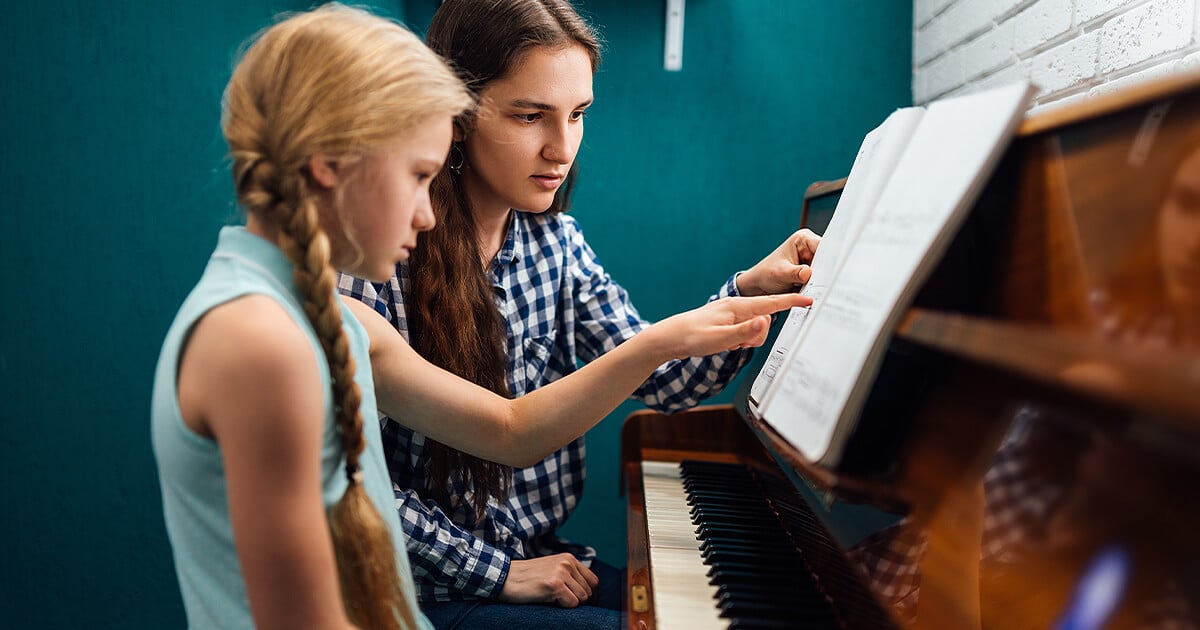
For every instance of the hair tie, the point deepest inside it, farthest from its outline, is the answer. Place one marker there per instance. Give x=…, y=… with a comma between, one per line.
x=353, y=474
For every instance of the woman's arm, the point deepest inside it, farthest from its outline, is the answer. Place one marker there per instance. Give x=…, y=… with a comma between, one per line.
x=521, y=432
x=249, y=379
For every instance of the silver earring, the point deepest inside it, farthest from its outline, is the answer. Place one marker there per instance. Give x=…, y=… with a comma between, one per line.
x=457, y=153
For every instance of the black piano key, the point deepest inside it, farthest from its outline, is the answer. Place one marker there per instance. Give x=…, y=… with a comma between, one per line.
x=751, y=552
x=742, y=532
x=738, y=609
x=759, y=606
x=749, y=556
x=737, y=575
x=730, y=573
x=761, y=591
x=723, y=539
x=722, y=513
x=756, y=624
x=766, y=547
x=709, y=496
x=772, y=603
x=754, y=577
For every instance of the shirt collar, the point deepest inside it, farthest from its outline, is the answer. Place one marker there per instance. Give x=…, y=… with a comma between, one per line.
x=515, y=246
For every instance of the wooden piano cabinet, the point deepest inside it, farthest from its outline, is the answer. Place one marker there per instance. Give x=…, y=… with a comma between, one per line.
x=1047, y=370
x=1071, y=202
x=639, y=613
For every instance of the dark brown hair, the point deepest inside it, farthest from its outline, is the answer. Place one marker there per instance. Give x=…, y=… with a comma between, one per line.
x=452, y=316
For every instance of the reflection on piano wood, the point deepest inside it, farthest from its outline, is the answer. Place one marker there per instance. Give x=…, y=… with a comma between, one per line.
x=1048, y=381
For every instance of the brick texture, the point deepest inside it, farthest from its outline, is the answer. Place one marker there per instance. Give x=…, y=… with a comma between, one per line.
x=1072, y=49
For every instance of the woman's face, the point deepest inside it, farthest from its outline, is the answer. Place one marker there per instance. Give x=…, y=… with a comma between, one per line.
x=528, y=131
x=1179, y=235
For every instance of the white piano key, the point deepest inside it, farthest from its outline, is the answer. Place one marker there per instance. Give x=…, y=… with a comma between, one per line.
x=682, y=596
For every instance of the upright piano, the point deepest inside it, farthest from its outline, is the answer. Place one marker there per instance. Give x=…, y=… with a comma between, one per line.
x=1029, y=455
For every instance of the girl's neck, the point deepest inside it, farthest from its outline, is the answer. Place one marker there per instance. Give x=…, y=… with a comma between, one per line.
x=260, y=227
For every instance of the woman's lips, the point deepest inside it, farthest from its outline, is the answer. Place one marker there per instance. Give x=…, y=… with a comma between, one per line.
x=548, y=182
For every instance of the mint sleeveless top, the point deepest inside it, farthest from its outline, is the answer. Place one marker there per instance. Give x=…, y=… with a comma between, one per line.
x=190, y=466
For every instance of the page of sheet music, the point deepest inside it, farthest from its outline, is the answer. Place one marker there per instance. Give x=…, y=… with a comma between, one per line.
x=820, y=388
x=876, y=156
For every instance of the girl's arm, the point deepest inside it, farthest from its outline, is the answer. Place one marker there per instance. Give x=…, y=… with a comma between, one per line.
x=521, y=432
x=249, y=380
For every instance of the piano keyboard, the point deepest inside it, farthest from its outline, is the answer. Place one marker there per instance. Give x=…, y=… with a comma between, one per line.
x=682, y=595
x=718, y=555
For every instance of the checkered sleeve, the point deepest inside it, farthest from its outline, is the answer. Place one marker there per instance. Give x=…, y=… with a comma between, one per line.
x=605, y=318
x=443, y=553
x=376, y=295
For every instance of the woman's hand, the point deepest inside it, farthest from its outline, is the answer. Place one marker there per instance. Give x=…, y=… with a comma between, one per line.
x=784, y=269
x=559, y=579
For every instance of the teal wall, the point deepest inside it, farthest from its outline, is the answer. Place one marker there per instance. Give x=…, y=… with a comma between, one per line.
x=115, y=184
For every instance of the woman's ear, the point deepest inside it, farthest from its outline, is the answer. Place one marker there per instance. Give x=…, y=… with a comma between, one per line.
x=324, y=170
x=459, y=134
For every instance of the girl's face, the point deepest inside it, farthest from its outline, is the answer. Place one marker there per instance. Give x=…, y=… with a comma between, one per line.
x=1179, y=235
x=528, y=131
x=385, y=204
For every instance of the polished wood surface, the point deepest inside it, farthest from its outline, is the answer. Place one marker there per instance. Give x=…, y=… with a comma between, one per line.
x=1057, y=117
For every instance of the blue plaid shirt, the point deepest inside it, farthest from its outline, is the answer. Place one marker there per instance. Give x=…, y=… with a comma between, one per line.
x=560, y=307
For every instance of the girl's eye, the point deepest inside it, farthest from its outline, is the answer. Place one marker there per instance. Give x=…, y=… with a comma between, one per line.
x=423, y=177
x=529, y=118
x=578, y=115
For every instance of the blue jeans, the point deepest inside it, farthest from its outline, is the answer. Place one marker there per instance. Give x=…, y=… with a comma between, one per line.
x=603, y=610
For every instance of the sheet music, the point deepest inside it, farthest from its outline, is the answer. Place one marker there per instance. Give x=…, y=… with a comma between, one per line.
x=873, y=164
x=818, y=393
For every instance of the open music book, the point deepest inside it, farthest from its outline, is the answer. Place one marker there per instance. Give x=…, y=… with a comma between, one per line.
x=876, y=157
x=912, y=184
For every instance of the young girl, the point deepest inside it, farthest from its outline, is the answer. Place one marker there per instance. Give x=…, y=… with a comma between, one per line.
x=273, y=486
x=503, y=242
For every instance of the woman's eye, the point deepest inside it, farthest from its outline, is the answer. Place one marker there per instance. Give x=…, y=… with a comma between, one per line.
x=578, y=115
x=529, y=117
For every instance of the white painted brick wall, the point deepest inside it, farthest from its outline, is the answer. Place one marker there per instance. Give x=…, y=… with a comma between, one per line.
x=1072, y=49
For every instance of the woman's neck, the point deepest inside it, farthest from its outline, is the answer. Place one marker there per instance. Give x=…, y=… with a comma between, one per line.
x=491, y=228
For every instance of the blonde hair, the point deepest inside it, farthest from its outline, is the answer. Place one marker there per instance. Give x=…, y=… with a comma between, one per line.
x=340, y=81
